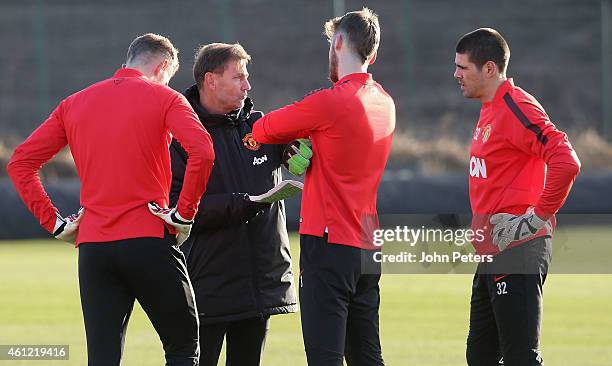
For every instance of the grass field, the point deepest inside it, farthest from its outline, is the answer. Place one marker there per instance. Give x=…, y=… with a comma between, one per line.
x=423, y=317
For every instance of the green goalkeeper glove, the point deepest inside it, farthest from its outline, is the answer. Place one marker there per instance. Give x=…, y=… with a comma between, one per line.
x=296, y=157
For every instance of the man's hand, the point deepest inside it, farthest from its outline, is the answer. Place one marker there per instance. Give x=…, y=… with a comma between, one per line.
x=66, y=228
x=172, y=217
x=296, y=157
x=247, y=209
x=508, y=228
x=254, y=209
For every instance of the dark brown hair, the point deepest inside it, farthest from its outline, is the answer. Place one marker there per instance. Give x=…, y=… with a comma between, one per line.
x=214, y=57
x=362, y=29
x=485, y=44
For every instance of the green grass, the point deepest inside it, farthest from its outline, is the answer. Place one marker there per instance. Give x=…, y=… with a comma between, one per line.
x=424, y=318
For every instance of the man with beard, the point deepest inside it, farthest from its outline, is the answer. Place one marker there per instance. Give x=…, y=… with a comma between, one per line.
x=350, y=126
x=521, y=171
x=239, y=259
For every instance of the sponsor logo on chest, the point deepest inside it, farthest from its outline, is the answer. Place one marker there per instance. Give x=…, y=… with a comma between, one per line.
x=260, y=160
x=478, y=167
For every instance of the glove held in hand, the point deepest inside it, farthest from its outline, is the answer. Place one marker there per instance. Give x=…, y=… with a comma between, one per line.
x=173, y=218
x=509, y=228
x=66, y=229
x=296, y=157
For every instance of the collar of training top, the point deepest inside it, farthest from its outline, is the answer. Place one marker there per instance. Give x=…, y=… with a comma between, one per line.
x=360, y=77
x=126, y=72
x=210, y=120
x=505, y=87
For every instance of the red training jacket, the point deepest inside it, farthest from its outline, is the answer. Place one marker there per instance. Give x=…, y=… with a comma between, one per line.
x=518, y=159
x=351, y=128
x=118, y=133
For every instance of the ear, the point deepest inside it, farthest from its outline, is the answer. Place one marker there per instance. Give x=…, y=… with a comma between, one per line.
x=373, y=59
x=338, y=42
x=209, y=80
x=160, y=68
x=490, y=68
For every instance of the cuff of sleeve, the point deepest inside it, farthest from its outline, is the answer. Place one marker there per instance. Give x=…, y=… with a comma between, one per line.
x=181, y=214
x=51, y=224
x=542, y=215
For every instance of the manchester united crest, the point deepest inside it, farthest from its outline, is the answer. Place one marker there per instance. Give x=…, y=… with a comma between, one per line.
x=250, y=143
x=486, y=133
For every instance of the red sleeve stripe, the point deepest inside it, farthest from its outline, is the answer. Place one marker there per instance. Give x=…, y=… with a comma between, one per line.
x=524, y=120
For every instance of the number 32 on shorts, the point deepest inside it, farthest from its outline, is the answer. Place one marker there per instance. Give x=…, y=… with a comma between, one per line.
x=501, y=288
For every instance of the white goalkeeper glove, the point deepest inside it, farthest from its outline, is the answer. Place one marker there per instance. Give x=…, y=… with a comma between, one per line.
x=172, y=217
x=66, y=228
x=508, y=227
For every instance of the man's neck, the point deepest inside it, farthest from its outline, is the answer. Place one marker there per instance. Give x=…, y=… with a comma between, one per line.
x=146, y=70
x=211, y=104
x=351, y=66
x=491, y=90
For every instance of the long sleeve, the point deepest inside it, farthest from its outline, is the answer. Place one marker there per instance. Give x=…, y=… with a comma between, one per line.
x=215, y=210
x=183, y=123
x=178, y=163
x=534, y=133
x=280, y=148
x=313, y=113
x=29, y=157
x=223, y=209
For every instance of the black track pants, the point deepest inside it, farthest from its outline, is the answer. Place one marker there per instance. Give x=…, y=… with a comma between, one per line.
x=151, y=270
x=338, y=304
x=245, y=341
x=506, y=307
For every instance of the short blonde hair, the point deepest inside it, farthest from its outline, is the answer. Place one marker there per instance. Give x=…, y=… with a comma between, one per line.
x=149, y=45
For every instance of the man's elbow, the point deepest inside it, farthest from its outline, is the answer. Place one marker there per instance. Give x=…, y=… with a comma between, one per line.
x=209, y=156
x=569, y=166
x=10, y=168
x=208, y=153
x=574, y=165
x=576, y=168
x=564, y=159
x=15, y=166
x=204, y=151
x=259, y=133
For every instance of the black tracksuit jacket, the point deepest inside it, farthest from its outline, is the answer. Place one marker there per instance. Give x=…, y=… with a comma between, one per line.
x=239, y=269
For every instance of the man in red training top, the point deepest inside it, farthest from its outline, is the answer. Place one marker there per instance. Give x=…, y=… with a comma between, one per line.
x=521, y=171
x=118, y=131
x=350, y=126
